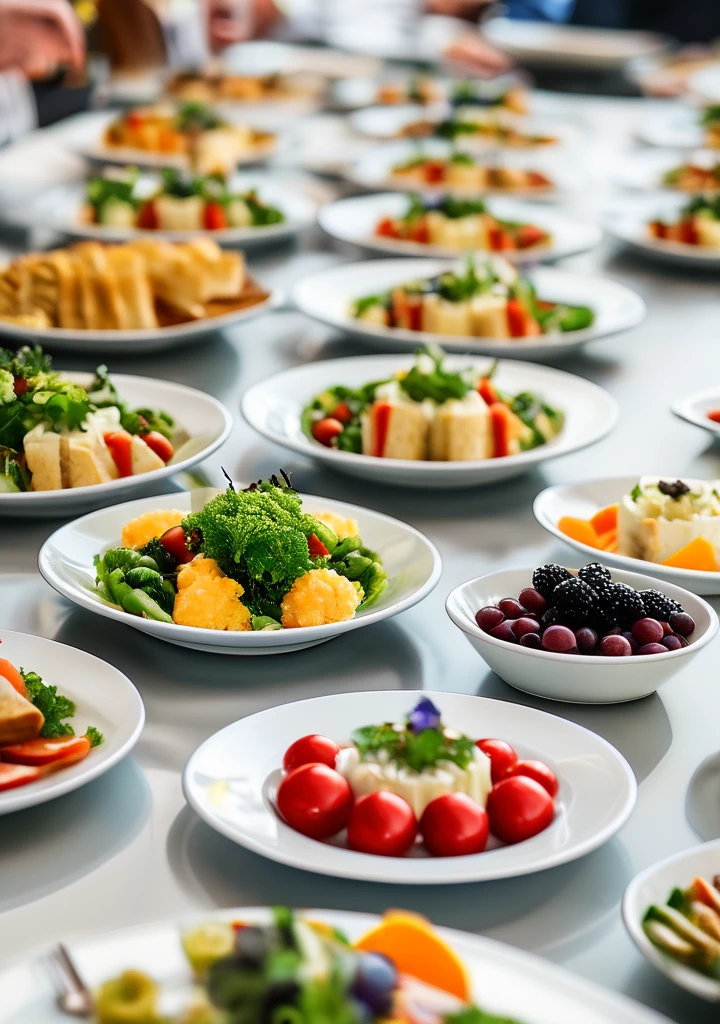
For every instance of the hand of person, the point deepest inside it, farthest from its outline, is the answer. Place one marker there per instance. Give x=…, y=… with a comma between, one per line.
x=39, y=36
x=234, y=21
x=469, y=9
x=475, y=56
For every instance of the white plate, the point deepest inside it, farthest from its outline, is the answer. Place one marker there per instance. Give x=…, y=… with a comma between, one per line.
x=265, y=57
x=645, y=169
x=653, y=886
x=136, y=342
x=372, y=170
x=412, y=562
x=354, y=220
x=60, y=209
x=628, y=222
x=274, y=408
x=574, y=678
x=203, y=417
x=583, y=500
x=569, y=45
x=677, y=126
x=694, y=409
x=104, y=697
x=705, y=83
x=596, y=796
x=327, y=296
x=505, y=980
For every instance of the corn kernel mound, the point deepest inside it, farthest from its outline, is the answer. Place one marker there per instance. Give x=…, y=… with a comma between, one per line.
x=138, y=532
x=200, y=568
x=319, y=597
x=212, y=602
x=338, y=524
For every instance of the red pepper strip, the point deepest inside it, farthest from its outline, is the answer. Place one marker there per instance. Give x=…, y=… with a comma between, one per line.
x=159, y=444
x=486, y=390
x=516, y=317
x=714, y=415
x=381, y=421
x=500, y=424
x=120, y=444
x=41, y=752
x=14, y=775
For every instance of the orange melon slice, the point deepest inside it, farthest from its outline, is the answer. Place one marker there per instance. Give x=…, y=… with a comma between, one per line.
x=580, y=530
x=698, y=554
x=608, y=541
x=416, y=950
x=605, y=520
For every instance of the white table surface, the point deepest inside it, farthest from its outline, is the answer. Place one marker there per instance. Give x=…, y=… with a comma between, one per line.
x=126, y=849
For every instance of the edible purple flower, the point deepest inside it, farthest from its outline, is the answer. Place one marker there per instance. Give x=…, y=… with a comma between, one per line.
x=423, y=716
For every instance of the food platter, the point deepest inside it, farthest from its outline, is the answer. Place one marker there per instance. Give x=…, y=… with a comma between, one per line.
x=628, y=221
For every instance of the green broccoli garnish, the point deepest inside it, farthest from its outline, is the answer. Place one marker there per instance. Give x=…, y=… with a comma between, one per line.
x=7, y=387
x=94, y=735
x=54, y=706
x=166, y=563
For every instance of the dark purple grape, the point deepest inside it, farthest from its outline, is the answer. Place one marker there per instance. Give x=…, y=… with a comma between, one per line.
x=489, y=617
x=667, y=628
x=651, y=649
x=672, y=642
x=504, y=632
x=682, y=623
x=683, y=641
x=586, y=639
x=558, y=639
x=525, y=625
x=374, y=983
x=615, y=631
x=511, y=608
x=615, y=646
x=532, y=600
x=647, y=631
x=631, y=640
x=531, y=640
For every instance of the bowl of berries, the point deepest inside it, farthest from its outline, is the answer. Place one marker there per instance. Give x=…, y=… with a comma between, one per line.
x=589, y=636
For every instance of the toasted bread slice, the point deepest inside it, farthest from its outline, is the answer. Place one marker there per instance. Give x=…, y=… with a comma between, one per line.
x=86, y=463
x=44, y=462
x=144, y=459
x=20, y=720
x=132, y=289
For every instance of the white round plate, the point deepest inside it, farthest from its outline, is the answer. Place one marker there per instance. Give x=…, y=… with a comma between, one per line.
x=628, y=222
x=354, y=220
x=203, y=417
x=675, y=126
x=274, y=407
x=574, y=678
x=583, y=500
x=570, y=45
x=231, y=780
x=504, y=980
x=385, y=120
x=104, y=697
x=705, y=83
x=265, y=57
x=373, y=169
x=653, y=886
x=694, y=409
x=412, y=562
x=136, y=342
x=60, y=209
x=645, y=169
x=327, y=296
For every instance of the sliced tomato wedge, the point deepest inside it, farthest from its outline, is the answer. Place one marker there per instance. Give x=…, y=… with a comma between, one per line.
x=9, y=672
x=41, y=752
x=158, y=443
x=120, y=444
x=14, y=775
x=500, y=424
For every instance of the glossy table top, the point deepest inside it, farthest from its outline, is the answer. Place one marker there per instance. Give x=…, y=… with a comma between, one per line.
x=126, y=849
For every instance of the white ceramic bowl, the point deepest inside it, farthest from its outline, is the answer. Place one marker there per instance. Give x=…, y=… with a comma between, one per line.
x=412, y=562
x=60, y=209
x=104, y=697
x=577, y=678
x=354, y=220
x=628, y=221
x=694, y=409
x=653, y=886
x=274, y=408
x=232, y=778
x=203, y=417
x=644, y=169
x=327, y=296
x=583, y=500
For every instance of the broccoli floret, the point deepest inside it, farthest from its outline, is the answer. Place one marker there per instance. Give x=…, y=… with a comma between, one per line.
x=165, y=562
x=7, y=387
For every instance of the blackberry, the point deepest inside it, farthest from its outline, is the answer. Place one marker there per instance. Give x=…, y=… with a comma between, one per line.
x=546, y=578
x=659, y=606
x=620, y=605
x=575, y=601
x=595, y=575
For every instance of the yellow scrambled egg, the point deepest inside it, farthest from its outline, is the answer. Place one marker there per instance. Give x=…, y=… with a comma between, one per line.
x=319, y=597
x=209, y=599
x=338, y=524
x=138, y=532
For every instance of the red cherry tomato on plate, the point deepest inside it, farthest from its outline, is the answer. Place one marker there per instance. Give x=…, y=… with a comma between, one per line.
x=215, y=218
x=325, y=430
x=159, y=444
x=341, y=412
x=519, y=808
x=147, y=217
x=502, y=757
x=173, y=540
x=312, y=749
x=315, y=800
x=538, y=771
x=383, y=824
x=454, y=825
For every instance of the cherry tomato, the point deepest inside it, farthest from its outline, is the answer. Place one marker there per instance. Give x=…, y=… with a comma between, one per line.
x=341, y=412
x=20, y=386
x=538, y=771
x=173, y=540
x=315, y=800
x=502, y=757
x=158, y=443
x=119, y=443
x=383, y=824
x=387, y=228
x=313, y=749
x=453, y=825
x=325, y=430
x=316, y=547
x=148, y=218
x=215, y=219
x=519, y=808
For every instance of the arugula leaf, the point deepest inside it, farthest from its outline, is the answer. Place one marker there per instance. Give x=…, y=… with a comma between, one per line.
x=53, y=706
x=362, y=305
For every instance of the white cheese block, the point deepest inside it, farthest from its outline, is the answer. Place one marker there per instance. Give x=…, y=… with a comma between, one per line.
x=86, y=462
x=466, y=176
x=708, y=231
x=144, y=459
x=656, y=526
x=117, y=214
x=42, y=452
x=451, y=318
x=488, y=315
x=238, y=213
x=406, y=436
x=180, y=214
x=461, y=430
x=375, y=314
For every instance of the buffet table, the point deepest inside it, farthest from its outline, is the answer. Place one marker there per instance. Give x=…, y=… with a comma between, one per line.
x=126, y=849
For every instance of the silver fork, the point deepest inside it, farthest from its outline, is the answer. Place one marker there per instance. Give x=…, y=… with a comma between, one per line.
x=74, y=997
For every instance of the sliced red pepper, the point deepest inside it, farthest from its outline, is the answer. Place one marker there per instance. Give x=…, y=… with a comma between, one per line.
x=516, y=318
x=387, y=228
x=215, y=218
x=713, y=415
x=158, y=443
x=486, y=390
x=537, y=180
x=528, y=235
x=40, y=752
x=381, y=412
x=500, y=239
x=658, y=229
x=120, y=444
x=415, y=312
x=688, y=231
x=500, y=424
x=9, y=672
x=147, y=217
x=316, y=547
x=14, y=775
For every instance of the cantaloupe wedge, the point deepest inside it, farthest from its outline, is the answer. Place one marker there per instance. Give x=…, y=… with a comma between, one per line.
x=608, y=541
x=580, y=530
x=698, y=554
x=605, y=520
x=409, y=941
